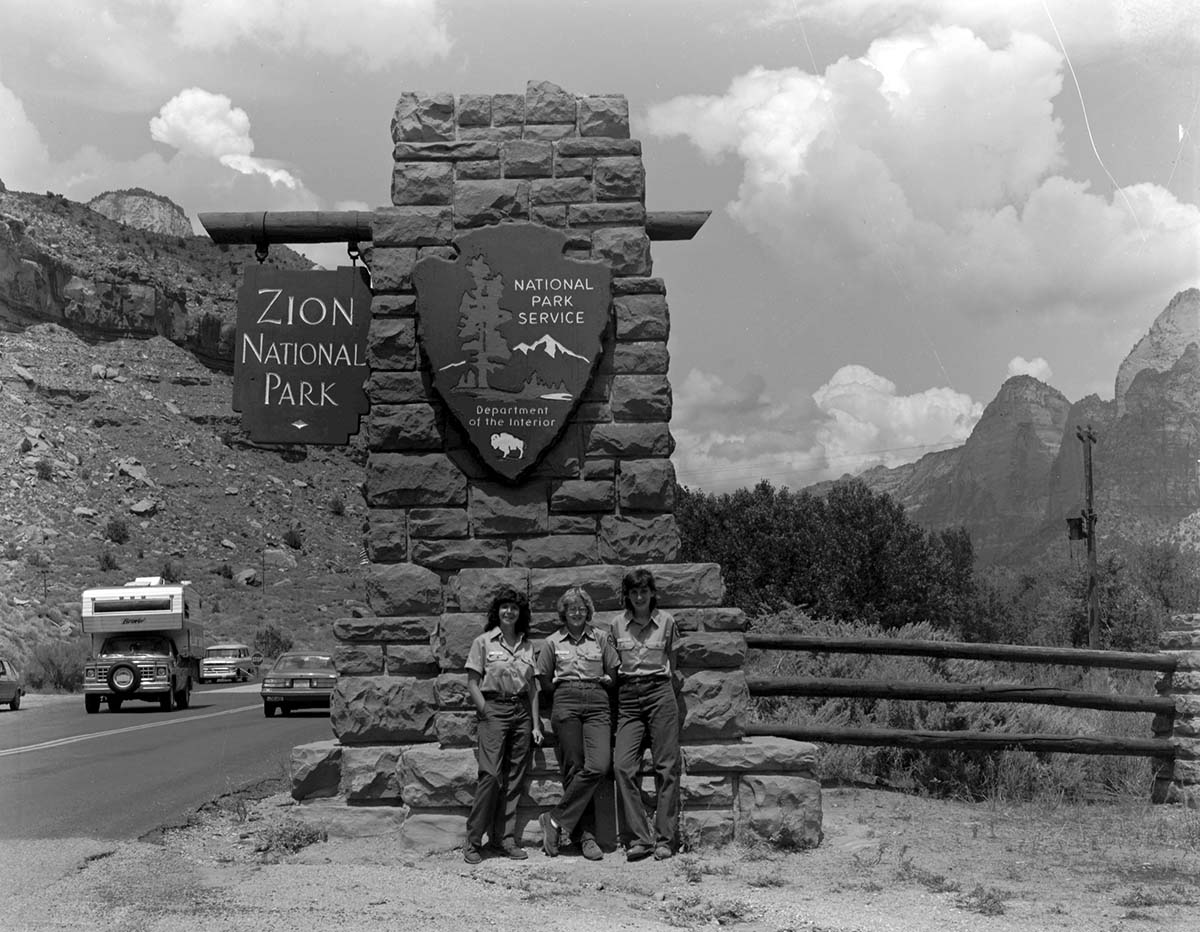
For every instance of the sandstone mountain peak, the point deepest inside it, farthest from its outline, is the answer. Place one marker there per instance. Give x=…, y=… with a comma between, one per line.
x=145, y=210
x=1169, y=335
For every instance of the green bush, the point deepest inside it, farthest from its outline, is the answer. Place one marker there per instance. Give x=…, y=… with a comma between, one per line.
x=116, y=530
x=293, y=538
x=337, y=507
x=45, y=469
x=57, y=665
x=108, y=562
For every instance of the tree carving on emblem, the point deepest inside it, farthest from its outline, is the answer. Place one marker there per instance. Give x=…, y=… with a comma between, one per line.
x=479, y=320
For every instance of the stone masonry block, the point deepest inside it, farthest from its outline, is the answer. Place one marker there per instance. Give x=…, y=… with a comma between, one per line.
x=569, y=167
x=547, y=132
x=647, y=485
x=391, y=270
x=392, y=343
x=382, y=710
x=641, y=398
x=387, y=536
x=397, y=388
x=642, y=317
x=696, y=584
x=583, y=495
x=715, y=705
x=602, y=582
x=474, y=110
x=396, y=629
x=480, y=203
x=708, y=828
x=604, y=116
x=358, y=660
x=456, y=729
x=369, y=774
x=409, y=659
x=555, y=550
x=403, y=427
x=619, y=179
x=574, y=524
x=638, y=540
x=433, y=777
x=423, y=118
x=550, y=215
x=400, y=480
x=447, y=555
x=437, y=523
x=473, y=589
x=630, y=440
x=422, y=183
x=626, y=249
x=546, y=102
x=596, y=147
x=508, y=109
x=712, y=650
x=446, y=151
x=497, y=509
x=390, y=305
x=622, y=213
x=711, y=619
x=706, y=791
x=454, y=635
x=451, y=691
x=755, y=754
x=315, y=770
x=403, y=589
x=780, y=808
x=412, y=226
x=478, y=171
x=526, y=159
x=560, y=191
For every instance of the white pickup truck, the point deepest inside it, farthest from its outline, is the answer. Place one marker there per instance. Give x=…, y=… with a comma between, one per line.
x=146, y=644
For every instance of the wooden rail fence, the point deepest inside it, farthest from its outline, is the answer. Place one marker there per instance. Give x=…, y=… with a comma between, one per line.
x=949, y=692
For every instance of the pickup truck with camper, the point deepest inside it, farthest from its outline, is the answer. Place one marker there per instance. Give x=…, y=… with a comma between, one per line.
x=146, y=644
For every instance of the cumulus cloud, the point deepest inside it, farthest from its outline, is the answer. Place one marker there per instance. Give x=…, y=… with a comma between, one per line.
x=372, y=35
x=23, y=154
x=207, y=125
x=1036, y=367
x=732, y=435
x=928, y=171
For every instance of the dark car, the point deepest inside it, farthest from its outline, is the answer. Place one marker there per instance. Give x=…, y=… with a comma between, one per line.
x=11, y=686
x=298, y=680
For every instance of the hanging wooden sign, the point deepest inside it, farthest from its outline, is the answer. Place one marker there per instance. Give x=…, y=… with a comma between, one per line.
x=300, y=361
x=512, y=330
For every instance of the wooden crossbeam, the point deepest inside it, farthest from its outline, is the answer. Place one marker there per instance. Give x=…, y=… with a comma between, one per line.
x=280, y=227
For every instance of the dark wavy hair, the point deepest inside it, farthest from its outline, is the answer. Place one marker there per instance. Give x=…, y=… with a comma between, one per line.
x=635, y=578
x=519, y=599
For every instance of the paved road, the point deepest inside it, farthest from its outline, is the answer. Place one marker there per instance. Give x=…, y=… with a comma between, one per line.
x=67, y=774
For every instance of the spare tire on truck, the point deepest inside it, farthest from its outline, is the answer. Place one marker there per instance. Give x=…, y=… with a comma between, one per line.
x=124, y=678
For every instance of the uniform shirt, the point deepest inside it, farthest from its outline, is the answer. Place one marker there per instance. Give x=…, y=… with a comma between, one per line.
x=591, y=657
x=503, y=671
x=645, y=649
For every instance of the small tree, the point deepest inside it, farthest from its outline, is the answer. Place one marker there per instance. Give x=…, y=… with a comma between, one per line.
x=272, y=642
x=116, y=530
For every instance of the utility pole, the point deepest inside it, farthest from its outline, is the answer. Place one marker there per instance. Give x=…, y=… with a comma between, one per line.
x=1088, y=437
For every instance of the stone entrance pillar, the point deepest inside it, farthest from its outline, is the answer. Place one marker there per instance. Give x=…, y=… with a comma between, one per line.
x=444, y=532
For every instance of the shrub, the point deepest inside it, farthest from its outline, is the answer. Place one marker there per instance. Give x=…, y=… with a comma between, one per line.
x=116, y=530
x=293, y=538
x=37, y=559
x=171, y=571
x=11, y=550
x=57, y=665
x=337, y=507
x=45, y=469
x=271, y=641
x=108, y=561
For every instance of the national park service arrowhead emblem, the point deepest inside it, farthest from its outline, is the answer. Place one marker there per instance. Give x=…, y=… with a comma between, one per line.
x=512, y=330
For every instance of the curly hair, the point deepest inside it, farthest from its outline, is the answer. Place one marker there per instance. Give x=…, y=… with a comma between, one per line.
x=633, y=580
x=575, y=594
x=509, y=595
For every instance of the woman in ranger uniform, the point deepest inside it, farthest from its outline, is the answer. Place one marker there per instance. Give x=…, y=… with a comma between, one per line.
x=647, y=714
x=578, y=664
x=501, y=682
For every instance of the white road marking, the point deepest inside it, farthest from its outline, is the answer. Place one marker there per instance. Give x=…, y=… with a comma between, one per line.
x=59, y=742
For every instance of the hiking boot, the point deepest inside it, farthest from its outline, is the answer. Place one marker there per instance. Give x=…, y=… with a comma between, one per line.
x=590, y=850
x=549, y=835
x=638, y=852
x=662, y=852
x=472, y=854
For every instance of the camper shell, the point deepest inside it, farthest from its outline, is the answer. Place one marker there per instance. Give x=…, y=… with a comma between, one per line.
x=146, y=644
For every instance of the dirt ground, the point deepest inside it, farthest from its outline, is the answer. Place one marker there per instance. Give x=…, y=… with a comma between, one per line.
x=888, y=862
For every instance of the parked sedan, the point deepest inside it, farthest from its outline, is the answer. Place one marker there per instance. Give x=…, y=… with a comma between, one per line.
x=12, y=687
x=298, y=680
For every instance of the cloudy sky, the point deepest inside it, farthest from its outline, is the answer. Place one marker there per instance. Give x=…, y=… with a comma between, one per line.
x=912, y=199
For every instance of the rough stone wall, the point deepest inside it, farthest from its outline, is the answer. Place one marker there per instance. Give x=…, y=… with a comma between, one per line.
x=1178, y=781
x=443, y=534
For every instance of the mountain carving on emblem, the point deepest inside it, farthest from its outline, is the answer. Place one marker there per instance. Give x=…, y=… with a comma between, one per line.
x=548, y=345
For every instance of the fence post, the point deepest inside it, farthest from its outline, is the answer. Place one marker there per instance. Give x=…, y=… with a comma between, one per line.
x=1178, y=780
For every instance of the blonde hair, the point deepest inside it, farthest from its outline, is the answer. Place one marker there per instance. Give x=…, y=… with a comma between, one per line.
x=575, y=594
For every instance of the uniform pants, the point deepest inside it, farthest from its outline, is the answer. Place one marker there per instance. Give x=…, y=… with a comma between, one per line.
x=647, y=715
x=582, y=720
x=505, y=739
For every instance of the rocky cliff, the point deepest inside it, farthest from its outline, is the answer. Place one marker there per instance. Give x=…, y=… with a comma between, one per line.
x=145, y=210
x=1173, y=329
